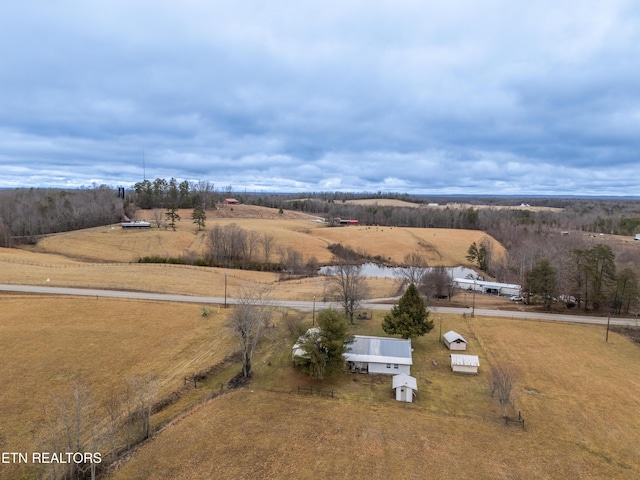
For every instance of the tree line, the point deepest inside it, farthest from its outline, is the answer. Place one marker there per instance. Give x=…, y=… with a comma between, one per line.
x=27, y=213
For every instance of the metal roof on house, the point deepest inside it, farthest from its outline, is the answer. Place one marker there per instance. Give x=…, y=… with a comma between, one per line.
x=452, y=336
x=484, y=283
x=465, y=360
x=404, y=380
x=380, y=350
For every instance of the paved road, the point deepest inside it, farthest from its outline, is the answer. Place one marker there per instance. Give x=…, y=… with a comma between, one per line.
x=309, y=306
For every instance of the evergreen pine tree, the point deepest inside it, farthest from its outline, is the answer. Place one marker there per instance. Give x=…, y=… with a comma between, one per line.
x=410, y=318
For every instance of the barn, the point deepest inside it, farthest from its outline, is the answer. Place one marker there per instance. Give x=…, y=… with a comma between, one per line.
x=465, y=363
x=389, y=356
x=405, y=387
x=454, y=341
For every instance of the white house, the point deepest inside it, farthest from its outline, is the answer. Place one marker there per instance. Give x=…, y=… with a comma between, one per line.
x=454, y=341
x=389, y=356
x=465, y=363
x=405, y=386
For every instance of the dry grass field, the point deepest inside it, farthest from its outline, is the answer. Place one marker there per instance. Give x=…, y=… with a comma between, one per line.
x=48, y=344
x=439, y=246
x=305, y=234
x=106, y=257
x=578, y=394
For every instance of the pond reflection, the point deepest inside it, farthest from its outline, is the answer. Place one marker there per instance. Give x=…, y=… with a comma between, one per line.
x=371, y=269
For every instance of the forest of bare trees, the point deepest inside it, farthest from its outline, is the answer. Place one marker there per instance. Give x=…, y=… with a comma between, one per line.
x=27, y=213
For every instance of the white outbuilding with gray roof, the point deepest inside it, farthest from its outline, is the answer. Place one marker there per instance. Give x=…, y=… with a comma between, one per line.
x=465, y=363
x=454, y=341
x=405, y=387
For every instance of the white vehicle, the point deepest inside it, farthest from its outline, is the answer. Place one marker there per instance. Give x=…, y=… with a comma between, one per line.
x=515, y=298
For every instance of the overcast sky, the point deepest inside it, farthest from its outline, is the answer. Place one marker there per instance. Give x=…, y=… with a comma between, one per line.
x=457, y=96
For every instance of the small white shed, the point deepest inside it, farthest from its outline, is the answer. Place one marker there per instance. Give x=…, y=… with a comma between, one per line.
x=405, y=387
x=454, y=341
x=465, y=363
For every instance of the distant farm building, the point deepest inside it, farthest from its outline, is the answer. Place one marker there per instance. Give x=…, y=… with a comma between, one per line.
x=390, y=356
x=454, y=341
x=231, y=201
x=137, y=224
x=465, y=363
x=405, y=387
x=345, y=222
x=492, y=288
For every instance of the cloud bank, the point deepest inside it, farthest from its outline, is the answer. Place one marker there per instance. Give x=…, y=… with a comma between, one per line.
x=488, y=97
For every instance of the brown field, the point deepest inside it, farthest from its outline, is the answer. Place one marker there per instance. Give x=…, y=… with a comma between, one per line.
x=50, y=343
x=577, y=393
x=106, y=257
x=305, y=234
x=439, y=246
x=569, y=378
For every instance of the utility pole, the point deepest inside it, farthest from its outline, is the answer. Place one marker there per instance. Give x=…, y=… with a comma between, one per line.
x=225, y=290
x=473, y=304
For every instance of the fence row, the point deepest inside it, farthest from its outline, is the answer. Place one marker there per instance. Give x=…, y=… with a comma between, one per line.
x=315, y=391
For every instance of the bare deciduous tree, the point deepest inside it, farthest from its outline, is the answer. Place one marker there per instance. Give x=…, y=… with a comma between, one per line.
x=158, y=216
x=348, y=287
x=248, y=320
x=502, y=379
x=414, y=268
x=267, y=242
x=71, y=427
x=253, y=239
x=144, y=390
x=437, y=282
x=291, y=261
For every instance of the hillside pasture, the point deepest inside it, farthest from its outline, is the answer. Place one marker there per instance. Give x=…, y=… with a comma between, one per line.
x=439, y=246
x=305, y=234
x=106, y=257
x=453, y=430
x=114, y=244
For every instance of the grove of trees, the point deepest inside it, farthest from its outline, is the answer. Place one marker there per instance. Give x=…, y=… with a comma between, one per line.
x=27, y=213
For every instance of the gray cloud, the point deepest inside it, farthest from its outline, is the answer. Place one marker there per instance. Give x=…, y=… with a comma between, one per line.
x=463, y=97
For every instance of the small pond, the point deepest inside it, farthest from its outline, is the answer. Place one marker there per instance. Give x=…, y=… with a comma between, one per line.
x=376, y=270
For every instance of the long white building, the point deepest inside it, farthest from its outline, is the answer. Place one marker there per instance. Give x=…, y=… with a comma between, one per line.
x=492, y=288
